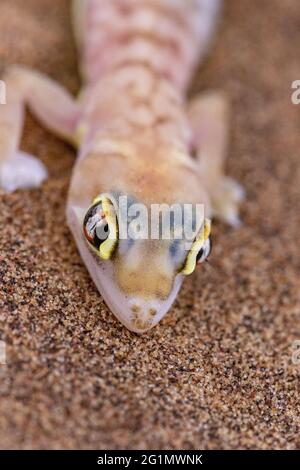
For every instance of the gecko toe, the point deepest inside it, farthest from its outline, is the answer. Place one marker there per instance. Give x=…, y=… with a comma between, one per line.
x=23, y=171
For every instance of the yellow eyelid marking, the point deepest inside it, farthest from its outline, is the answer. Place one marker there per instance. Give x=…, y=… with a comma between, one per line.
x=191, y=260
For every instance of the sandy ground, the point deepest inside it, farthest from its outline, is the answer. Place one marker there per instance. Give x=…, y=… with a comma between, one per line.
x=218, y=371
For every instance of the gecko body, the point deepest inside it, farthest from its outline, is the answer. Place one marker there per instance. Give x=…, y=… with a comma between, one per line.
x=138, y=140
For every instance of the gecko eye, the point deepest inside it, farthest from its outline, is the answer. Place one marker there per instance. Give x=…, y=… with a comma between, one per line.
x=204, y=252
x=100, y=227
x=200, y=249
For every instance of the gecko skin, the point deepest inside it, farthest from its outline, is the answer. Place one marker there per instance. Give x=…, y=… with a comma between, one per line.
x=136, y=136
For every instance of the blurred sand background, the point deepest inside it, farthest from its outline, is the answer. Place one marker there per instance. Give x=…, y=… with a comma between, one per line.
x=217, y=372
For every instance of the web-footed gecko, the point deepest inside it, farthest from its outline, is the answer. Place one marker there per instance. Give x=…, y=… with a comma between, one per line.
x=137, y=138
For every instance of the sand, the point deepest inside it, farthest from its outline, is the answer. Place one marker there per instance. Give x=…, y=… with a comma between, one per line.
x=218, y=370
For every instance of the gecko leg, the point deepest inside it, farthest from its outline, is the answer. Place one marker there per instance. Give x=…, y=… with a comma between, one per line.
x=209, y=119
x=52, y=105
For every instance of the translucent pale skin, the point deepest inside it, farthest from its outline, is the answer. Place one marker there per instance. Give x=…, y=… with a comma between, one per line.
x=135, y=135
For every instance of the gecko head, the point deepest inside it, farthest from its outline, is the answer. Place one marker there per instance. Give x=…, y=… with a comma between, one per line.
x=137, y=263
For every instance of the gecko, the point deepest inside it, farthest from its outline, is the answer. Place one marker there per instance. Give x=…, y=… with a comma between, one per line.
x=137, y=137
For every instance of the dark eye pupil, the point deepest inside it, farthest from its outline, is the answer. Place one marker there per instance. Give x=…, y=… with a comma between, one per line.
x=101, y=234
x=95, y=227
x=200, y=253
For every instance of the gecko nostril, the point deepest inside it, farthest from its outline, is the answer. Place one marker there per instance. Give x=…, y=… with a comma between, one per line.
x=135, y=309
x=152, y=312
x=143, y=313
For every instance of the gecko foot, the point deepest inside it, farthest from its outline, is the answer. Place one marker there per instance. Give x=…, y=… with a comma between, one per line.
x=23, y=171
x=226, y=199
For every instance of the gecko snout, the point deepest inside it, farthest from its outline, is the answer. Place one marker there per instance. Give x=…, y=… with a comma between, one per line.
x=143, y=314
